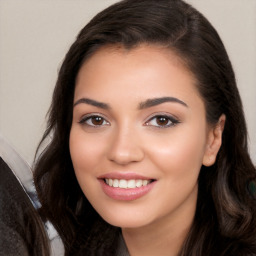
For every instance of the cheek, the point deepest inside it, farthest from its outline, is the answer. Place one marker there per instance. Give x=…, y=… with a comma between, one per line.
x=180, y=153
x=86, y=154
x=86, y=151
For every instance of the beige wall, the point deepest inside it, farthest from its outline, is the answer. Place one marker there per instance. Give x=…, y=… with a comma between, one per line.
x=35, y=35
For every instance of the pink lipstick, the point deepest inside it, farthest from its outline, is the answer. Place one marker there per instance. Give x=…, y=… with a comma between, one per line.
x=126, y=186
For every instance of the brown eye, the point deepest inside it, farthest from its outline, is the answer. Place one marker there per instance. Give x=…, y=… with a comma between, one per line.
x=94, y=121
x=97, y=120
x=162, y=121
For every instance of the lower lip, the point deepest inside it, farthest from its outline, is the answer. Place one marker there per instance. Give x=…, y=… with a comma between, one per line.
x=126, y=194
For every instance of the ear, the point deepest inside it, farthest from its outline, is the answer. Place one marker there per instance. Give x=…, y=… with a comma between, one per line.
x=214, y=140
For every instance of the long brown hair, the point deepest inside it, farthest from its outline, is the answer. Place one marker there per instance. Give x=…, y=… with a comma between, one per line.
x=225, y=221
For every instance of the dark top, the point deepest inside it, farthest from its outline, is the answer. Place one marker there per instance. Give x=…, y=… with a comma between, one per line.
x=20, y=234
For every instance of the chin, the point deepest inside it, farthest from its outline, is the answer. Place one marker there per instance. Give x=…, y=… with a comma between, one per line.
x=126, y=221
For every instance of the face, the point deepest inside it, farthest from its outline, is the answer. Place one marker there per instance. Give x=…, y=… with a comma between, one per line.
x=139, y=136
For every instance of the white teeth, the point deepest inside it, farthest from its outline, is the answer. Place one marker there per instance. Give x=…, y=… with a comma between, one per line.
x=122, y=184
x=138, y=183
x=144, y=183
x=131, y=184
x=115, y=183
x=126, y=183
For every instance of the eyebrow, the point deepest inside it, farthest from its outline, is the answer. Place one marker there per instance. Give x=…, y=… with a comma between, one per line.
x=157, y=101
x=92, y=102
x=145, y=104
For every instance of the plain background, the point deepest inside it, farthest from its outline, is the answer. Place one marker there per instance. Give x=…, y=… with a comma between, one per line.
x=36, y=34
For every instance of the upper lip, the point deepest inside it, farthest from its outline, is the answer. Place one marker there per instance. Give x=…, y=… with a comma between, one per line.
x=124, y=175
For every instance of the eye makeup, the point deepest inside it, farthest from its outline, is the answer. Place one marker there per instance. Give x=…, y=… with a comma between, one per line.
x=94, y=120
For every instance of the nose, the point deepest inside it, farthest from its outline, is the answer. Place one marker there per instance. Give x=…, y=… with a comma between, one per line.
x=125, y=147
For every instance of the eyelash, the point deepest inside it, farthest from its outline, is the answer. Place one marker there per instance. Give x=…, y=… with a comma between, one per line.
x=88, y=118
x=171, y=121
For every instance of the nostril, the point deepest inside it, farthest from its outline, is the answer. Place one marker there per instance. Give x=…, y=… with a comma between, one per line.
x=125, y=156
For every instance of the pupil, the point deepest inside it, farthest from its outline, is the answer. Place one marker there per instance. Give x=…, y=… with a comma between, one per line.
x=97, y=120
x=162, y=121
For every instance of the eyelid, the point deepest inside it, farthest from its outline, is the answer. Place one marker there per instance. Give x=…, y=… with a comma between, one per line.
x=174, y=120
x=91, y=115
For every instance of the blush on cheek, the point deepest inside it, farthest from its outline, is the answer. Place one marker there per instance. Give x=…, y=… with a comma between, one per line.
x=180, y=155
x=85, y=152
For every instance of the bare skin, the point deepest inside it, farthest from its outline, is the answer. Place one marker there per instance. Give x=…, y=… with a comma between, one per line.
x=138, y=113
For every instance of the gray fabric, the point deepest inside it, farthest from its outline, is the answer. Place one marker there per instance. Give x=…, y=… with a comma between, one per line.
x=16, y=247
x=19, y=168
x=17, y=235
x=20, y=174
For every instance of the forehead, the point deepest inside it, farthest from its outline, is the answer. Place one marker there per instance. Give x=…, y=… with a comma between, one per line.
x=145, y=69
x=143, y=51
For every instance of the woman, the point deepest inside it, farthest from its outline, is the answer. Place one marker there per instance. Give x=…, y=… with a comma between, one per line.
x=22, y=232
x=149, y=143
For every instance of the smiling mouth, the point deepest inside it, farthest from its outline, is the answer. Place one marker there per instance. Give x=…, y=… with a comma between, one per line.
x=130, y=188
x=127, y=184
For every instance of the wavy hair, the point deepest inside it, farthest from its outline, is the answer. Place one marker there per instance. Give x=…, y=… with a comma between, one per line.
x=225, y=221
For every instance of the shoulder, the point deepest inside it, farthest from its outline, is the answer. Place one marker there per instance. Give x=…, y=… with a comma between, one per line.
x=21, y=233
x=12, y=219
